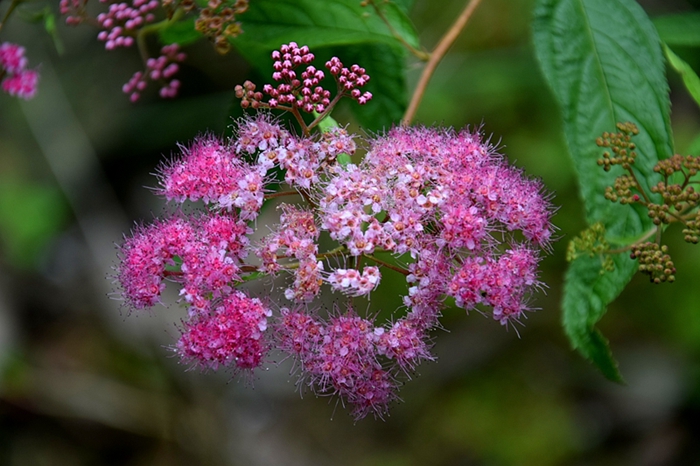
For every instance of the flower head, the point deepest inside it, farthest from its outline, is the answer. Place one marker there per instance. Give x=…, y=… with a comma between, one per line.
x=230, y=334
x=16, y=79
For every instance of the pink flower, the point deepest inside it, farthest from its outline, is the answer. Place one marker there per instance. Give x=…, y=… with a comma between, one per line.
x=231, y=334
x=439, y=206
x=18, y=81
x=12, y=58
x=23, y=84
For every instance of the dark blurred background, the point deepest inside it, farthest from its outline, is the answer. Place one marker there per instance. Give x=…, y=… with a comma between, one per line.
x=83, y=383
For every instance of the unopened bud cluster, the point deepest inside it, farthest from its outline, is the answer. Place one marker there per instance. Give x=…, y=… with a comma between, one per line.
x=218, y=21
x=591, y=242
x=678, y=199
x=162, y=68
x=622, y=149
x=126, y=23
x=301, y=89
x=654, y=261
x=437, y=207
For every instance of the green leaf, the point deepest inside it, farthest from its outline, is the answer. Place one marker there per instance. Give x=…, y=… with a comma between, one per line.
x=327, y=124
x=270, y=23
x=587, y=293
x=180, y=32
x=690, y=79
x=679, y=29
x=405, y=5
x=386, y=67
x=603, y=61
x=694, y=147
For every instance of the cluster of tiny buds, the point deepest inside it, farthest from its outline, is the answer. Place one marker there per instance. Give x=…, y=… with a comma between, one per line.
x=682, y=196
x=161, y=69
x=73, y=10
x=248, y=95
x=621, y=146
x=679, y=200
x=15, y=78
x=121, y=20
x=350, y=79
x=654, y=261
x=691, y=231
x=622, y=190
x=218, y=22
x=304, y=90
x=676, y=195
x=678, y=163
x=591, y=242
x=127, y=22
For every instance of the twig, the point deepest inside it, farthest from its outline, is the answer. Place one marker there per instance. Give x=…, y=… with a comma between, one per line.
x=435, y=58
x=281, y=194
x=393, y=267
x=9, y=11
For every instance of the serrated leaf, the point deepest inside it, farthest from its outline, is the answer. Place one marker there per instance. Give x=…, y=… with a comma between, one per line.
x=271, y=23
x=603, y=61
x=587, y=293
x=679, y=29
x=405, y=5
x=690, y=79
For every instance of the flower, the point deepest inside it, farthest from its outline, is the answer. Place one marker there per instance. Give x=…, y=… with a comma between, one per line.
x=229, y=334
x=440, y=207
x=16, y=79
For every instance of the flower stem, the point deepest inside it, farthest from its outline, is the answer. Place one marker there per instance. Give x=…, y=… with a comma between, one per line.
x=9, y=11
x=435, y=58
x=647, y=235
x=393, y=267
x=281, y=194
x=328, y=109
x=155, y=27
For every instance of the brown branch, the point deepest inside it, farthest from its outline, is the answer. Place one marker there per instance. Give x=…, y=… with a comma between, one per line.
x=393, y=267
x=281, y=194
x=435, y=58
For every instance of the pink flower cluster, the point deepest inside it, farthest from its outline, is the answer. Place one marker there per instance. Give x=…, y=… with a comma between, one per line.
x=354, y=283
x=303, y=90
x=16, y=79
x=161, y=69
x=350, y=357
x=439, y=207
x=122, y=19
x=207, y=249
x=231, y=334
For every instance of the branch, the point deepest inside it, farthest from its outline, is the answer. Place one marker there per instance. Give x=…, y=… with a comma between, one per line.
x=435, y=58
